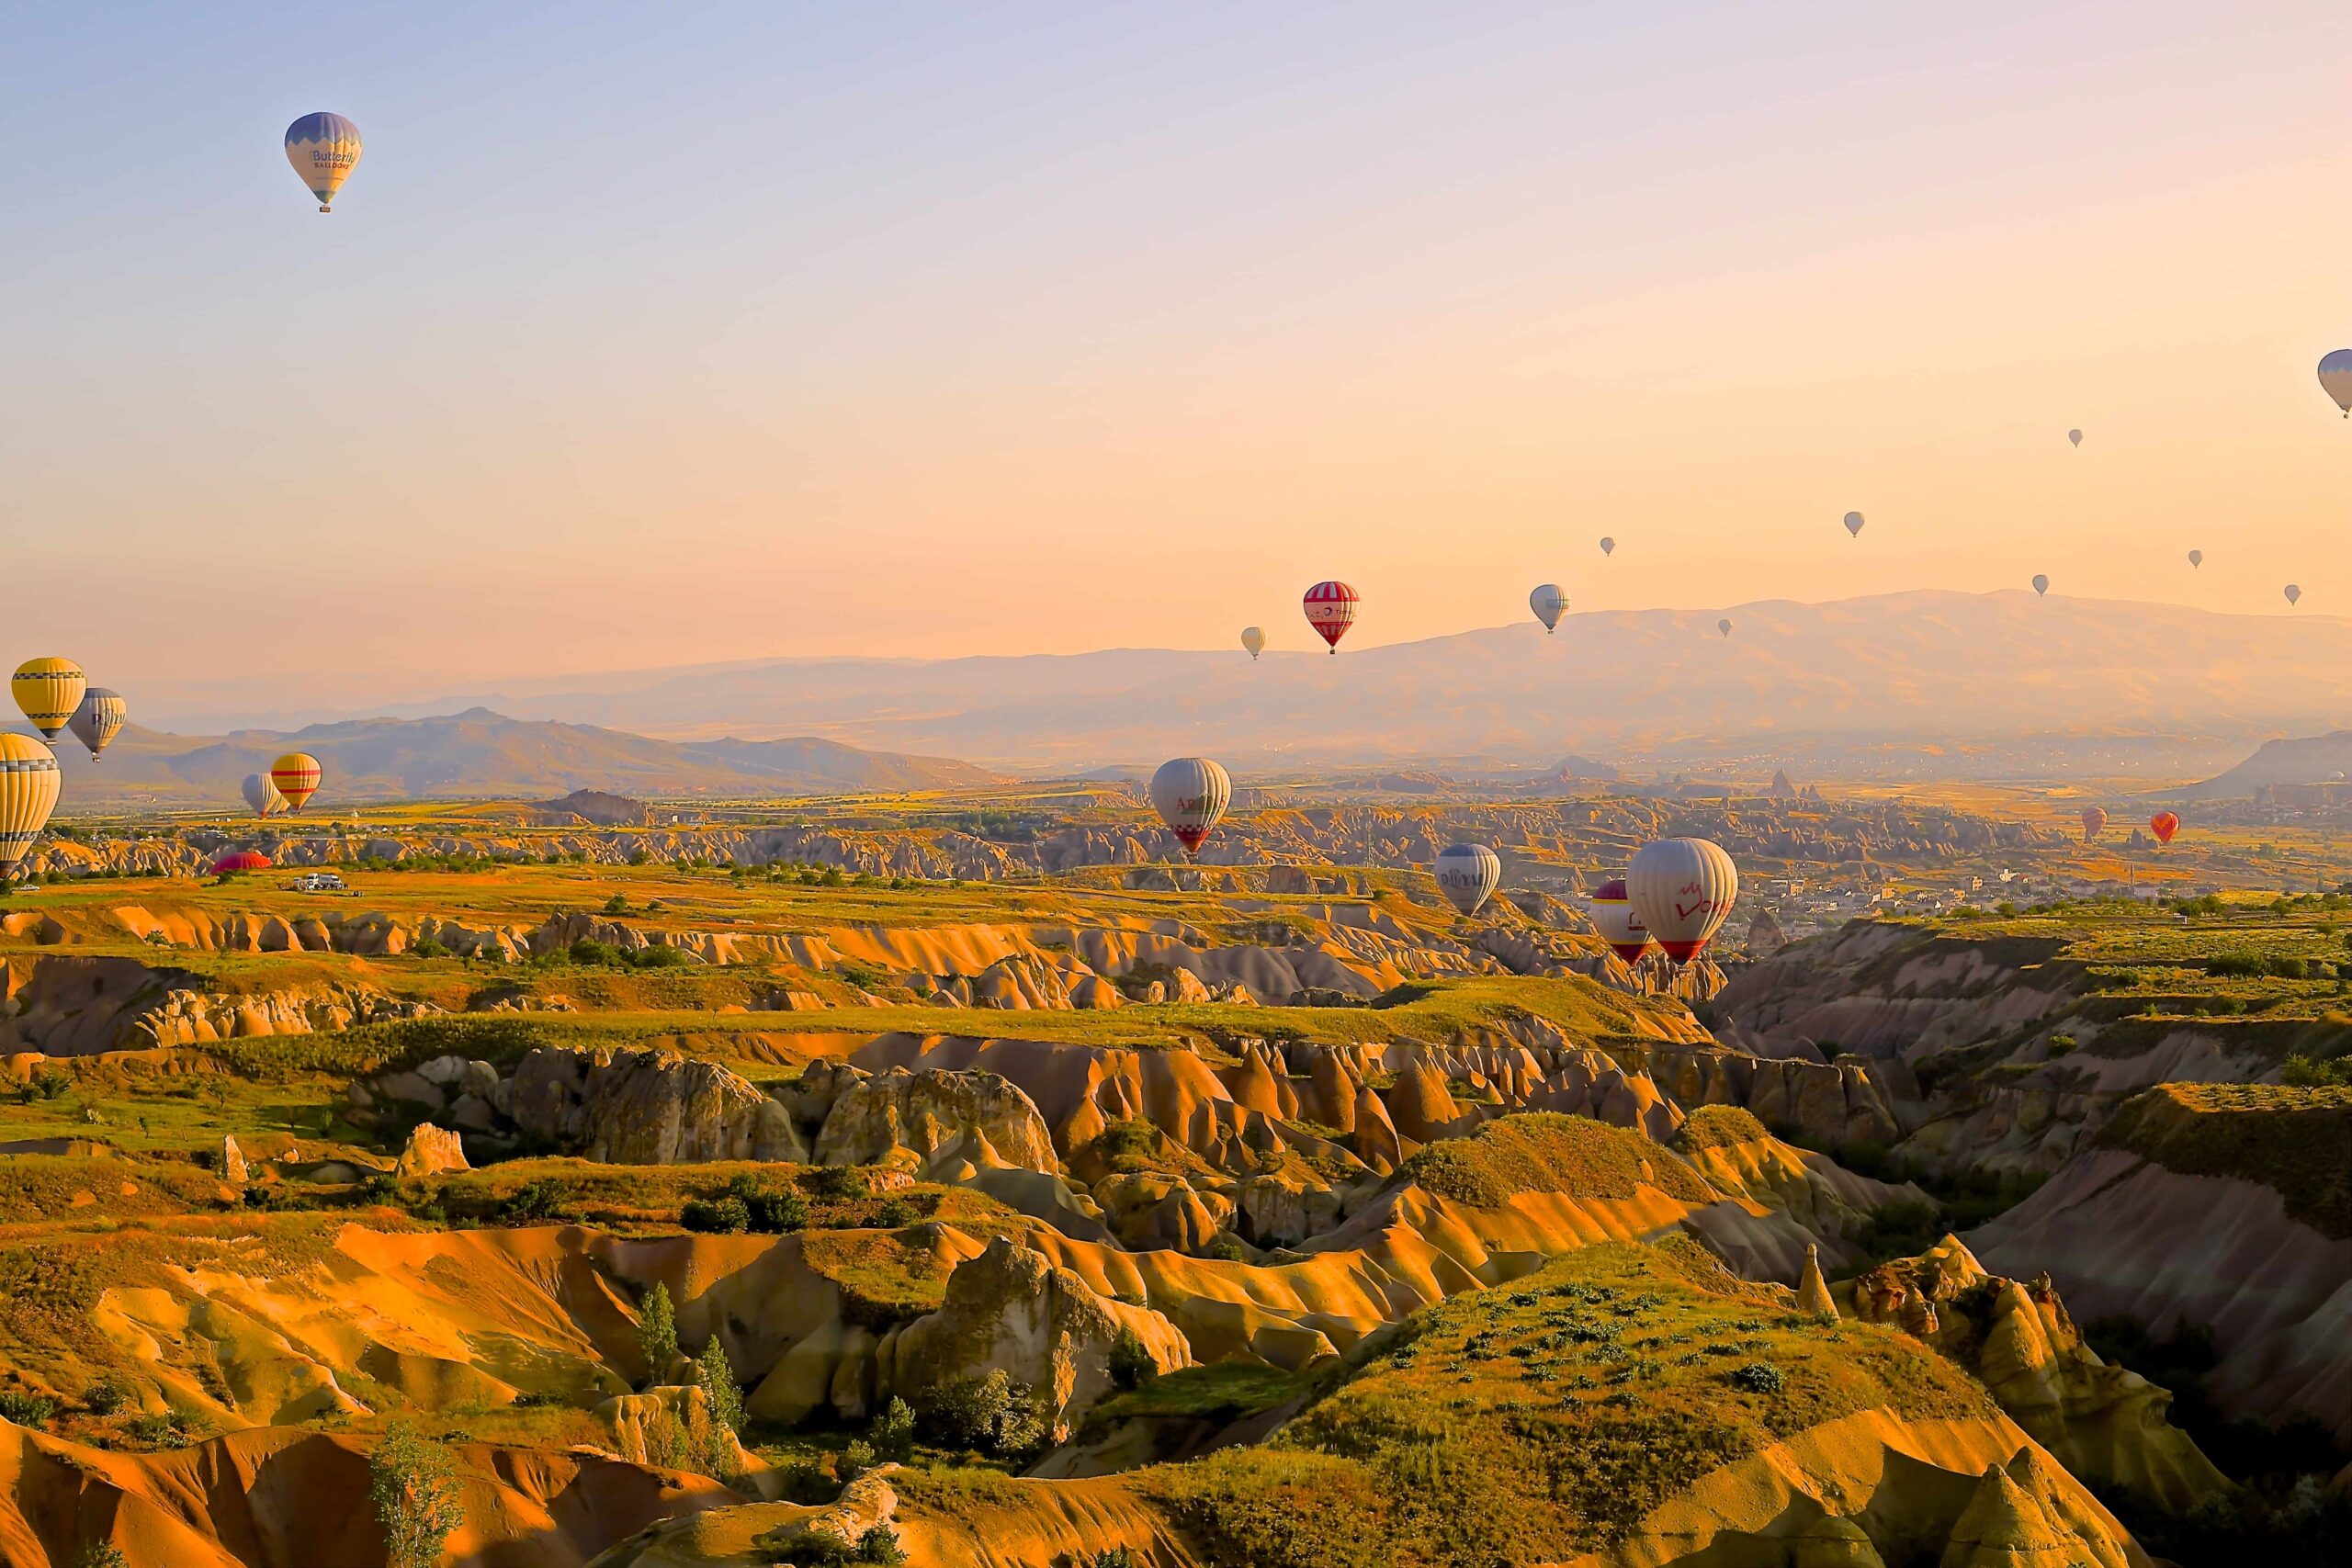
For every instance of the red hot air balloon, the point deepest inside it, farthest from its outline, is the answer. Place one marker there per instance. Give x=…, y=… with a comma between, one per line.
x=1612, y=908
x=2094, y=820
x=2164, y=825
x=239, y=859
x=1330, y=610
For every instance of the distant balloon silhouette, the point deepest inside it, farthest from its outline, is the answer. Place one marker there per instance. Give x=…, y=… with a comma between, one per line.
x=2335, y=378
x=2075, y=436
x=1548, y=602
x=1608, y=545
x=2094, y=820
x=1854, y=524
x=1254, y=640
x=2196, y=558
x=2293, y=594
x=2041, y=583
x=1724, y=625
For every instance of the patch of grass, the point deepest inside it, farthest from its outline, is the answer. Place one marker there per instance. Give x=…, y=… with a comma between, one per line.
x=1224, y=1392
x=1543, y=1152
x=2296, y=1141
x=1718, y=1127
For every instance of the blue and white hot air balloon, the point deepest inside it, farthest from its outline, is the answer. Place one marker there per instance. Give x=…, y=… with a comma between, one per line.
x=323, y=149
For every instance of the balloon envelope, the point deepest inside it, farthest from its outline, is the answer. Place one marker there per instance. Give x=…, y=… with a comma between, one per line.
x=48, y=690
x=1683, y=890
x=28, y=781
x=1724, y=625
x=1854, y=523
x=1191, y=793
x=1254, y=640
x=1330, y=610
x=2196, y=558
x=2094, y=820
x=98, y=720
x=323, y=149
x=239, y=859
x=262, y=795
x=2336, y=377
x=2164, y=825
x=2075, y=436
x=1548, y=602
x=1612, y=908
x=2041, y=583
x=1467, y=875
x=2293, y=594
x=1608, y=545
x=295, y=774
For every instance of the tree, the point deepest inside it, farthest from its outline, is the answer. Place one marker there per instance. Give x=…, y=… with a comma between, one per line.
x=893, y=1431
x=413, y=1485
x=716, y=1376
x=657, y=1332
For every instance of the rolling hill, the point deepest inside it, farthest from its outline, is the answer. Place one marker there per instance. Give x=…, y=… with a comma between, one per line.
x=478, y=753
x=2312, y=760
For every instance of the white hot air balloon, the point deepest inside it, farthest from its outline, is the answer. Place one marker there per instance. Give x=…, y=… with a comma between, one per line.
x=2196, y=558
x=1608, y=545
x=1254, y=640
x=1467, y=874
x=1682, y=889
x=1549, y=604
x=1724, y=625
x=1191, y=793
x=262, y=795
x=1854, y=524
x=2335, y=377
x=2293, y=594
x=1612, y=908
x=2075, y=436
x=2041, y=583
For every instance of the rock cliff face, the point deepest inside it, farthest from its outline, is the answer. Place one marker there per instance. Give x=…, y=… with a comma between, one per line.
x=647, y=1106
x=1010, y=1309
x=952, y=1124
x=2100, y=1421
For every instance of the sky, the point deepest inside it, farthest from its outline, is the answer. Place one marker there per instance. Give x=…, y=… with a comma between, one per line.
x=650, y=335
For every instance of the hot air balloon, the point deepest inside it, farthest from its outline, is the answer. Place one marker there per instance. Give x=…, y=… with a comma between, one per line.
x=98, y=719
x=49, y=690
x=2293, y=594
x=28, y=781
x=1254, y=640
x=262, y=795
x=2041, y=583
x=2094, y=820
x=236, y=860
x=1608, y=545
x=2335, y=377
x=1724, y=625
x=2164, y=825
x=295, y=774
x=1682, y=889
x=1854, y=524
x=1466, y=875
x=1191, y=793
x=1548, y=602
x=2196, y=558
x=1330, y=610
x=1612, y=908
x=323, y=149
x=2075, y=436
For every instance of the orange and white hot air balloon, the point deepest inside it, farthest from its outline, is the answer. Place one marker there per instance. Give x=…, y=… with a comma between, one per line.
x=1612, y=908
x=28, y=781
x=1330, y=609
x=2093, y=822
x=2164, y=825
x=1682, y=889
x=295, y=774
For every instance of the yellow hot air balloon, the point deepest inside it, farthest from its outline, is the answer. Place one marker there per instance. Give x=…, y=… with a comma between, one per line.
x=28, y=781
x=49, y=690
x=295, y=774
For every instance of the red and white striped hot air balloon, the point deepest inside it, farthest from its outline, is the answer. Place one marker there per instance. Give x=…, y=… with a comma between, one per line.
x=1330, y=610
x=1682, y=889
x=1191, y=793
x=1612, y=908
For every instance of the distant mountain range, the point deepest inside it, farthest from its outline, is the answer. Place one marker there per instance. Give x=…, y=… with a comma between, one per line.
x=2035, y=680
x=477, y=754
x=2314, y=759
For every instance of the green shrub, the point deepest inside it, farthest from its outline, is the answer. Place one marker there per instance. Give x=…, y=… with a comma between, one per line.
x=892, y=1433
x=27, y=1409
x=413, y=1485
x=540, y=1201
x=854, y=1460
x=728, y=1216
x=896, y=1212
x=101, y=1555
x=838, y=1182
x=103, y=1398
x=1132, y=1363
x=772, y=1211
x=994, y=1414
x=1759, y=1377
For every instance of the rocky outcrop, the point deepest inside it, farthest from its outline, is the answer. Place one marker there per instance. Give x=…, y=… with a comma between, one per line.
x=648, y=1107
x=670, y=1428
x=946, y=1124
x=431, y=1150
x=1011, y=1309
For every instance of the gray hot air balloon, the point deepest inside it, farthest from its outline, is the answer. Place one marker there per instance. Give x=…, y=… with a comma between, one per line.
x=1548, y=602
x=1466, y=875
x=2075, y=436
x=262, y=795
x=1854, y=524
x=2041, y=583
x=98, y=719
x=1608, y=545
x=2293, y=594
x=2335, y=378
x=1724, y=625
x=1191, y=793
x=2196, y=558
